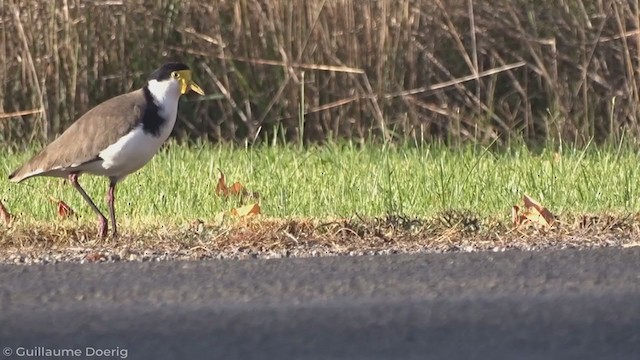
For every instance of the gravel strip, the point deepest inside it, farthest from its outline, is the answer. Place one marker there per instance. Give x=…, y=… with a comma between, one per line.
x=160, y=252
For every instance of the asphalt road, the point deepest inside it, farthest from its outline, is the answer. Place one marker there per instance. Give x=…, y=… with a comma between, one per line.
x=515, y=305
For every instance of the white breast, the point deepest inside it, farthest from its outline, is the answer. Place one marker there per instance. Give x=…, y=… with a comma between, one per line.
x=128, y=154
x=135, y=149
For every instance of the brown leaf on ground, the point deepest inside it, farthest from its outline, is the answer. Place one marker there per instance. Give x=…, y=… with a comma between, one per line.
x=236, y=189
x=532, y=213
x=515, y=215
x=546, y=214
x=247, y=210
x=221, y=188
x=5, y=216
x=64, y=211
x=95, y=257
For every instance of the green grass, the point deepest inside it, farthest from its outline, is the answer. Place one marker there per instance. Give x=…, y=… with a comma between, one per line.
x=178, y=185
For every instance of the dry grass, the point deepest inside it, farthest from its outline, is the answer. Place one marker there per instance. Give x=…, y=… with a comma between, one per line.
x=268, y=238
x=540, y=70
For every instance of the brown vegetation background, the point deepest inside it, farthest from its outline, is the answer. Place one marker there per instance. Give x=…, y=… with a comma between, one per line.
x=542, y=71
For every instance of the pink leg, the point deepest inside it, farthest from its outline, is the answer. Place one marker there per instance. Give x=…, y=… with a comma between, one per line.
x=111, y=198
x=103, y=227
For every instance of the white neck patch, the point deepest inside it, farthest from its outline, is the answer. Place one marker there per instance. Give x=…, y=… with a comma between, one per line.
x=165, y=91
x=165, y=95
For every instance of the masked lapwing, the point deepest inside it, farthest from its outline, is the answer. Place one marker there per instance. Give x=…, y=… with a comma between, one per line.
x=115, y=138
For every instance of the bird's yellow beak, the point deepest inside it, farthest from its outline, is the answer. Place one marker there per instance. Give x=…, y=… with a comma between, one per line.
x=187, y=84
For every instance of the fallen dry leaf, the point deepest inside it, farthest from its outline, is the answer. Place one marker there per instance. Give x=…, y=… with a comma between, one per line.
x=515, y=215
x=247, y=210
x=533, y=215
x=64, y=211
x=546, y=214
x=221, y=188
x=532, y=212
x=236, y=188
x=95, y=257
x=5, y=216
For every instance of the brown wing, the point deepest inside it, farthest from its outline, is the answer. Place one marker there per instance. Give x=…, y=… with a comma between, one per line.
x=88, y=136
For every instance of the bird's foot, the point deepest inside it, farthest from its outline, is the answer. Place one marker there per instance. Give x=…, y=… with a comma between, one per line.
x=103, y=228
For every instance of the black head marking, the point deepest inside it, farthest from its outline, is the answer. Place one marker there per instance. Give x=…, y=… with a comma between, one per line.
x=164, y=71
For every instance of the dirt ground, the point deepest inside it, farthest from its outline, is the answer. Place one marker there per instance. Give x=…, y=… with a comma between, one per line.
x=275, y=238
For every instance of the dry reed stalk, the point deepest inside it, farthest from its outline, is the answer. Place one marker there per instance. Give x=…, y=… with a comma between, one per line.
x=431, y=70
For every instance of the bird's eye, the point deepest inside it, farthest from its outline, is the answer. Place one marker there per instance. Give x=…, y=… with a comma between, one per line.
x=175, y=75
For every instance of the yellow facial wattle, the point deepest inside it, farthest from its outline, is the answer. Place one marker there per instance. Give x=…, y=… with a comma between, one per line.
x=186, y=84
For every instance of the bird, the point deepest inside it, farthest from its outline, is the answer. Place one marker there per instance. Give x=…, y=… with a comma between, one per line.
x=115, y=138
